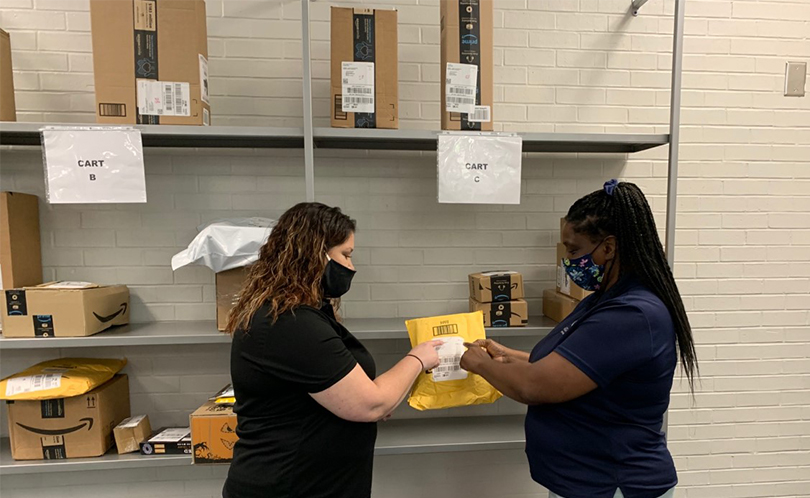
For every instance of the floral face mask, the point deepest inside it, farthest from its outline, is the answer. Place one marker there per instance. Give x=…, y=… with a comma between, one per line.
x=584, y=272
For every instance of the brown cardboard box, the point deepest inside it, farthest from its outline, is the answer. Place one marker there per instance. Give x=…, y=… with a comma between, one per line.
x=137, y=42
x=229, y=284
x=168, y=441
x=20, y=252
x=130, y=433
x=504, y=314
x=76, y=427
x=213, y=433
x=366, y=35
x=496, y=286
x=564, y=283
x=466, y=32
x=64, y=309
x=562, y=226
x=8, y=109
x=557, y=306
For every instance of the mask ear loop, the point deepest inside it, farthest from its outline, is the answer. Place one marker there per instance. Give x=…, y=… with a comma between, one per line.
x=608, y=269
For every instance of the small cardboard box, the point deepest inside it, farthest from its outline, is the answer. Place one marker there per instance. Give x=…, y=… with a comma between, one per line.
x=466, y=38
x=564, y=283
x=496, y=286
x=229, y=284
x=150, y=60
x=64, y=309
x=504, y=314
x=8, y=108
x=557, y=306
x=130, y=433
x=75, y=427
x=562, y=227
x=20, y=250
x=366, y=35
x=168, y=441
x=213, y=433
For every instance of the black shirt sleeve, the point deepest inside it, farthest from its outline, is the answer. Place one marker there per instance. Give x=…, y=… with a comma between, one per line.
x=303, y=349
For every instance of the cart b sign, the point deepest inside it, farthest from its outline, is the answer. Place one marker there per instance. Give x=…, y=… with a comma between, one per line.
x=91, y=165
x=479, y=168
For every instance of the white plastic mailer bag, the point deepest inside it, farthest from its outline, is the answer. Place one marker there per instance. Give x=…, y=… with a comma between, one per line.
x=479, y=168
x=226, y=244
x=89, y=165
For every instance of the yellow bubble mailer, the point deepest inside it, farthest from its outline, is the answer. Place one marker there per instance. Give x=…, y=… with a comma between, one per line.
x=448, y=385
x=60, y=378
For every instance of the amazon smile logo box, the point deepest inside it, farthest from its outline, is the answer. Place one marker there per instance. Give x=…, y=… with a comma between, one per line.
x=75, y=427
x=63, y=309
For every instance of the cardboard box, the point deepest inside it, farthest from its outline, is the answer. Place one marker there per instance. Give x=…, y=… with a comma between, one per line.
x=168, y=441
x=8, y=108
x=213, y=433
x=504, y=314
x=496, y=286
x=365, y=36
x=64, y=309
x=20, y=250
x=466, y=38
x=157, y=50
x=562, y=226
x=229, y=284
x=557, y=306
x=75, y=427
x=130, y=433
x=564, y=283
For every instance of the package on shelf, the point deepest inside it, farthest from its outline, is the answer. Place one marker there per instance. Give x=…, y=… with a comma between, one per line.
x=168, y=441
x=20, y=250
x=228, y=285
x=64, y=309
x=8, y=108
x=562, y=227
x=60, y=378
x=564, y=283
x=467, y=64
x=365, y=88
x=503, y=314
x=74, y=427
x=496, y=286
x=150, y=61
x=557, y=306
x=130, y=433
x=213, y=432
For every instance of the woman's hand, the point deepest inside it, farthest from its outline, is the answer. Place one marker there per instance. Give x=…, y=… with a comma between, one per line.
x=496, y=351
x=474, y=358
x=427, y=352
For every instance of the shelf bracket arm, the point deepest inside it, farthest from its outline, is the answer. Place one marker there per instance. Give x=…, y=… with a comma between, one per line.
x=637, y=4
x=309, y=141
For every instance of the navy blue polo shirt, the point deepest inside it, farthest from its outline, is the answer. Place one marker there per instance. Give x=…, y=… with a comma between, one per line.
x=611, y=437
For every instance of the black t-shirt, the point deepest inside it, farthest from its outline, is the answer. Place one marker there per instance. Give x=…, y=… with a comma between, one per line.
x=290, y=446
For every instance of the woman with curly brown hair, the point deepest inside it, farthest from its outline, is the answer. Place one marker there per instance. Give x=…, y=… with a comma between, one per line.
x=307, y=394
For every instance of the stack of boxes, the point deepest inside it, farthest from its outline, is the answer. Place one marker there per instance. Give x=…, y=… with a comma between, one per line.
x=560, y=302
x=499, y=294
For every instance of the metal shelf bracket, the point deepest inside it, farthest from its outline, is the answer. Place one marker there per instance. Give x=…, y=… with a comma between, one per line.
x=637, y=4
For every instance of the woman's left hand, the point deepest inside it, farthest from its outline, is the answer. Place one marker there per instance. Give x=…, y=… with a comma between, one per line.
x=474, y=358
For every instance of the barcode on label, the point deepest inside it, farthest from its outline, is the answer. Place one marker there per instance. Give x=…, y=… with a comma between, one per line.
x=481, y=115
x=357, y=100
x=461, y=100
x=361, y=90
x=178, y=97
x=449, y=329
x=167, y=100
x=112, y=110
x=449, y=368
x=461, y=90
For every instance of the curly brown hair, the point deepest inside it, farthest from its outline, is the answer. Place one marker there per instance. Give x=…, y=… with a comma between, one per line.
x=291, y=263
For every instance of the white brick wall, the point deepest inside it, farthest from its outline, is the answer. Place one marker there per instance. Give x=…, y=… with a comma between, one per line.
x=581, y=66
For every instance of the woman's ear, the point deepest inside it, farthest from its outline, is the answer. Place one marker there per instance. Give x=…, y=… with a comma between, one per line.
x=610, y=247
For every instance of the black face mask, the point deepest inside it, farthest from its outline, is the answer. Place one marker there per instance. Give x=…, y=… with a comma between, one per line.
x=337, y=280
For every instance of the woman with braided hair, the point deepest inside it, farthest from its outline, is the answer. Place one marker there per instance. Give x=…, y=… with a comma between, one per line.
x=598, y=385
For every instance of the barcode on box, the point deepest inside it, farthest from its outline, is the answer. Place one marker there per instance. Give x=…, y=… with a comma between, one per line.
x=449, y=329
x=168, y=106
x=482, y=114
x=357, y=100
x=117, y=110
x=359, y=90
x=461, y=100
x=178, y=97
x=461, y=90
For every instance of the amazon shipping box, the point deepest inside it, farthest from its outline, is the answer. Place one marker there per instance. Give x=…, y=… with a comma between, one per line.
x=229, y=284
x=213, y=433
x=8, y=110
x=20, y=251
x=76, y=427
x=496, y=286
x=503, y=314
x=63, y=309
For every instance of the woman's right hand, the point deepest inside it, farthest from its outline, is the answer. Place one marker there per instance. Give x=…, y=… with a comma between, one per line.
x=496, y=351
x=428, y=353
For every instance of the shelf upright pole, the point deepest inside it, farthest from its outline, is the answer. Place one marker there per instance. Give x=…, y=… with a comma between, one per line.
x=309, y=145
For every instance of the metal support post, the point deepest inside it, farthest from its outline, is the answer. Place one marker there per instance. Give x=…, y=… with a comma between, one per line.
x=309, y=145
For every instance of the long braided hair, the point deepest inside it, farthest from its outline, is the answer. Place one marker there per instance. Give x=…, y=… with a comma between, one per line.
x=621, y=210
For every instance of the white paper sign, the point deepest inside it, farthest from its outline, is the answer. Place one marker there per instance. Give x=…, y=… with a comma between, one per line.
x=89, y=165
x=163, y=98
x=461, y=83
x=358, y=87
x=481, y=168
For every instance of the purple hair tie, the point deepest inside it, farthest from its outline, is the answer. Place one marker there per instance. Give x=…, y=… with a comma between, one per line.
x=610, y=186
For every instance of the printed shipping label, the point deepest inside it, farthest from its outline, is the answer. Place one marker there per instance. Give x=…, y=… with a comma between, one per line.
x=204, y=79
x=163, y=98
x=33, y=383
x=145, y=12
x=563, y=280
x=171, y=436
x=482, y=114
x=358, y=87
x=450, y=354
x=131, y=422
x=461, y=87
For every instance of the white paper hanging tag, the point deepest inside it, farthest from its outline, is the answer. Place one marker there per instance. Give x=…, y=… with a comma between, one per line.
x=479, y=169
x=358, y=87
x=204, y=79
x=163, y=98
x=88, y=165
x=462, y=80
x=482, y=114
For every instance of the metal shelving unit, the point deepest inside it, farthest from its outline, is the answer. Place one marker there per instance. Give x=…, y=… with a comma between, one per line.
x=396, y=437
